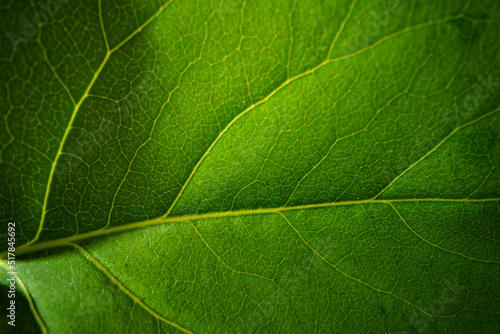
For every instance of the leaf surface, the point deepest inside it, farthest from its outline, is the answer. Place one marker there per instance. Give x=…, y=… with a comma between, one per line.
x=252, y=166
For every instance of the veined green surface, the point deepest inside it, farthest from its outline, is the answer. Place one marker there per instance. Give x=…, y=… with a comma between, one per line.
x=251, y=166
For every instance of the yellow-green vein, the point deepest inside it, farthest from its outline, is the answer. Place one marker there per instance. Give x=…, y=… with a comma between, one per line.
x=124, y=289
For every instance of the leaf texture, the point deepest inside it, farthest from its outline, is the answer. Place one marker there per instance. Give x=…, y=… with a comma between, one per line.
x=251, y=166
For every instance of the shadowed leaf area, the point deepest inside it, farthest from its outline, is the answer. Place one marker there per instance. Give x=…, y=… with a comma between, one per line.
x=24, y=319
x=251, y=166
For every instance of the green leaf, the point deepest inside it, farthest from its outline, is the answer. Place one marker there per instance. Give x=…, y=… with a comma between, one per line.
x=251, y=166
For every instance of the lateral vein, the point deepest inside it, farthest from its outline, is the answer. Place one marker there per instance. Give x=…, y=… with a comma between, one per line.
x=113, y=279
x=288, y=81
x=433, y=244
x=349, y=276
x=77, y=108
x=37, y=316
x=435, y=148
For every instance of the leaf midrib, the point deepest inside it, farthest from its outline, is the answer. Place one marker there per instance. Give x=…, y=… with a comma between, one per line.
x=33, y=247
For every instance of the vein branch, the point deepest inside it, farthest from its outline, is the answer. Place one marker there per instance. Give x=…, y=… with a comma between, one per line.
x=434, y=149
x=290, y=80
x=433, y=244
x=349, y=276
x=32, y=306
x=102, y=26
x=113, y=279
x=79, y=104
